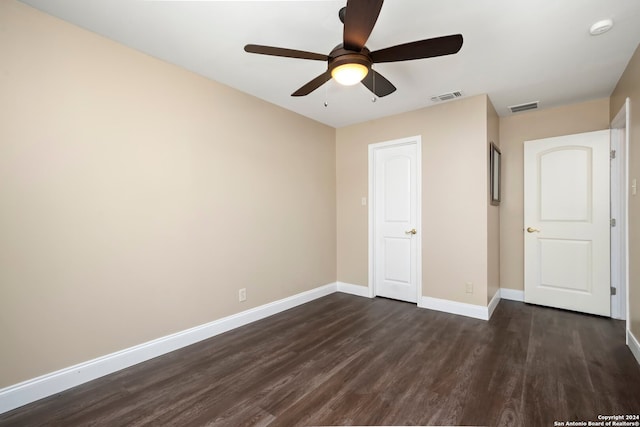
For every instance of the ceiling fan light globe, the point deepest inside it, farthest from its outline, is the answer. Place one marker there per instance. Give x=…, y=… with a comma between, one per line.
x=349, y=74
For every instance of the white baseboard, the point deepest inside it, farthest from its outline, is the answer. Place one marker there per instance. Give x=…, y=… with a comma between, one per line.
x=634, y=345
x=512, y=294
x=455, y=307
x=348, y=288
x=35, y=389
x=493, y=304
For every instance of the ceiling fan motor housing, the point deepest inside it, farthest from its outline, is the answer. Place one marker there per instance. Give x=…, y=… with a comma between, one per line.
x=341, y=56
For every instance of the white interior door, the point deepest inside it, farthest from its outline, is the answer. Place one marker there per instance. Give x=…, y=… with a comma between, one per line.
x=395, y=205
x=566, y=221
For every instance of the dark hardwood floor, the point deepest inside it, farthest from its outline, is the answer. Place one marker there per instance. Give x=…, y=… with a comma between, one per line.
x=346, y=360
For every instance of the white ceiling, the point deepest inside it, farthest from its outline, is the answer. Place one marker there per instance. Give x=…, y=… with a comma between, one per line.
x=516, y=51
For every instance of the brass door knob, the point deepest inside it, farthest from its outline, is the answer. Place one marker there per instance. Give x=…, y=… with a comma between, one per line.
x=412, y=231
x=533, y=230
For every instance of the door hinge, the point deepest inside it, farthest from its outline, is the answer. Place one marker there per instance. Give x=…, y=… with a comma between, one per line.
x=613, y=154
x=613, y=291
x=613, y=222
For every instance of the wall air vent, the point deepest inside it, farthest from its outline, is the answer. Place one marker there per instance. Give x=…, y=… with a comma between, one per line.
x=446, y=96
x=524, y=107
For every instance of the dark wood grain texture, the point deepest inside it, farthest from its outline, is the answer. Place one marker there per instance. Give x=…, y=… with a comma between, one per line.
x=345, y=360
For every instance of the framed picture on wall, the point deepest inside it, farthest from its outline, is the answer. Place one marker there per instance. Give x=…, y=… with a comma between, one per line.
x=494, y=173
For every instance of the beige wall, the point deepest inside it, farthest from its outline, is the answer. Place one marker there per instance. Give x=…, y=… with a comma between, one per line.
x=629, y=86
x=454, y=196
x=514, y=130
x=493, y=212
x=133, y=192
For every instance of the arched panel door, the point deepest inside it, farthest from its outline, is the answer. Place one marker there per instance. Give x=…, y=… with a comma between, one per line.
x=567, y=222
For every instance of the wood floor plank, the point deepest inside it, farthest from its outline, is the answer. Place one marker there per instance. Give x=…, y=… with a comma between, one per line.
x=346, y=360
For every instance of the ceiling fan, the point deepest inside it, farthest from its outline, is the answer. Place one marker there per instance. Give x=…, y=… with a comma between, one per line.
x=350, y=63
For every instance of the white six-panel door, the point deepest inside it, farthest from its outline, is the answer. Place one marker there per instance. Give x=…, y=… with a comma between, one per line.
x=567, y=222
x=395, y=209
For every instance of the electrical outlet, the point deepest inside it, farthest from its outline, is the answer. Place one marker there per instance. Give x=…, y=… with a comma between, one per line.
x=469, y=287
x=242, y=294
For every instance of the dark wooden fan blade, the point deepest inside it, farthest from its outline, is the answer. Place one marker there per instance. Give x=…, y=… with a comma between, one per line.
x=377, y=84
x=313, y=84
x=429, y=48
x=359, y=20
x=287, y=53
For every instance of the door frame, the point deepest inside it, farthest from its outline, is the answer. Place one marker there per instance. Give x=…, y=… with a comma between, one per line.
x=620, y=211
x=412, y=140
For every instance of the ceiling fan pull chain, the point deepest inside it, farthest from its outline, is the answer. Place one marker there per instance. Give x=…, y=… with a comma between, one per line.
x=374, y=99
x=326, y=101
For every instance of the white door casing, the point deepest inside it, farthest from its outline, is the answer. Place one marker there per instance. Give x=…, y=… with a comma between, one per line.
x=394, y=219
x=619, y=211
x=567, y=222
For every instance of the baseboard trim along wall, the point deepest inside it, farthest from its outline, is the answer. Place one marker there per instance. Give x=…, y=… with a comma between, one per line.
x=634, y=345
x=447, y=306
x=512, y=294
x=470, y=310
x=455, y=307
x=493, y=304
x=359, y=290
x=35, y=389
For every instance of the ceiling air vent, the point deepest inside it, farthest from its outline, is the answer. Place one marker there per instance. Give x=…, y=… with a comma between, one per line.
x=446, y=96
x=524, y=107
